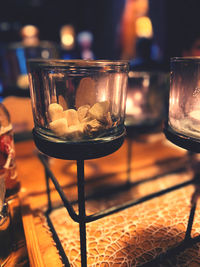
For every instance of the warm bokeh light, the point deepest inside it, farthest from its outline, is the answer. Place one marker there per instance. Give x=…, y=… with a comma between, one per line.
x=144, y=27
x=67, y=39
x=22, y=81
x=67, y=36
x=30, y=35
x=29, y=31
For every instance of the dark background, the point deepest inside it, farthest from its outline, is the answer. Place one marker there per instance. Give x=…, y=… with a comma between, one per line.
x=173, y=21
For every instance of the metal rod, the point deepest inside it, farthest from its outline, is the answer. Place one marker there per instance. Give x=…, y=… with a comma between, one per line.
x=57, y=241
x=112, y=210
x=66, y=203
x=81, y=205
x=82, y=219
x=48, y=190
x=128, y=204
x=190, y=222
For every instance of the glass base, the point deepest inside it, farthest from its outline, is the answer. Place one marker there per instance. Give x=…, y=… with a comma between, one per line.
x=181, y=140
x=78, y=150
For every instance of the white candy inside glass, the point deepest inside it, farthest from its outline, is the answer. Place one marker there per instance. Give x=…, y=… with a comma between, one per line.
x=84, y=122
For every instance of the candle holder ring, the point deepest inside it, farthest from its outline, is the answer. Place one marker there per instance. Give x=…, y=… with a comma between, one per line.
x=181, y=140
x=78, y=150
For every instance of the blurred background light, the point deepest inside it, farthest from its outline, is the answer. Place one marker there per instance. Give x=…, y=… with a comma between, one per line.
x=67, y=36
x=144, y=27
x=30, y=35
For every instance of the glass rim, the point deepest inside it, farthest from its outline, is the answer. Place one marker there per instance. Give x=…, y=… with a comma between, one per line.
x=78, y=62
x=186, y=59
x=138, y=73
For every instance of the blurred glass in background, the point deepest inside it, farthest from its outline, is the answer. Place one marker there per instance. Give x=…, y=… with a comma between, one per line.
x=13, y=56
x=146, y=105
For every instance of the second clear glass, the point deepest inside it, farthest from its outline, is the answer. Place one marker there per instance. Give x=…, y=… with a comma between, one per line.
x=184, y=110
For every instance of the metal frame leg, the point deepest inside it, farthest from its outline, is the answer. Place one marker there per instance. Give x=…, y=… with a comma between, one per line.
x=48, y=190
x=82, y=219
x=81, y=206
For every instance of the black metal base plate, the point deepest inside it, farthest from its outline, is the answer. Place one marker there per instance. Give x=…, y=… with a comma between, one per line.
x=77, y=150
x=181, y=140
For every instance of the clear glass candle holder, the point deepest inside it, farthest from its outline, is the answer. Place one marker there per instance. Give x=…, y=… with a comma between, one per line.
x=146, y=104
x=184, y=99
x=78, y=101
x=5, y=234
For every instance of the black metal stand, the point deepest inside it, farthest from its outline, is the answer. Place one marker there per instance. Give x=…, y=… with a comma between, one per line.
x=82, y=219
x=78, y=151
x=181, y=140
x=81, y=206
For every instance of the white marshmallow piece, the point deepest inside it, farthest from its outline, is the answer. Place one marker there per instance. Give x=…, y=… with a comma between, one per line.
x=71, y=116
x=75, y=131
x=82, y=112
x=55, y=111
x=99, y=110
x=59, y=127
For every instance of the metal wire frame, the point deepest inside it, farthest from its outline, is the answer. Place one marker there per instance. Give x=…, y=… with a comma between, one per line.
x=82, y=219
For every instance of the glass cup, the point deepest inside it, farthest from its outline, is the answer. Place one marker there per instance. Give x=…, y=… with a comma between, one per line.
x=146, y=104
x=5, y=237
x=184, y=108
x=77, y=103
